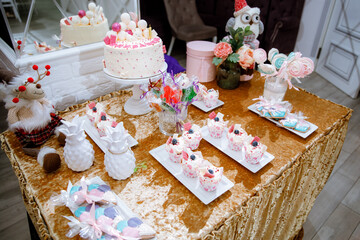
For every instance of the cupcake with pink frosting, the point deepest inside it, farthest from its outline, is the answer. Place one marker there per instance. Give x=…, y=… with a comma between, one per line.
x=174, y=146
x=254, y=150
x=94, y=112
x=191, y=161
x=236, y=137
x=104, y=124
x=201, y=92
x=192, y=135
x=216, y=124
x=210, y=177
x=211, y=98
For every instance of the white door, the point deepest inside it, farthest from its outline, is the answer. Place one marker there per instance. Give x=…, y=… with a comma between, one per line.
x=338, y=61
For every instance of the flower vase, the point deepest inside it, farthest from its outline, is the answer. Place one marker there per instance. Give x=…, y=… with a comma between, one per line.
x=170, y=122
x=275, y=88
x=246, y=74
x=228, y=75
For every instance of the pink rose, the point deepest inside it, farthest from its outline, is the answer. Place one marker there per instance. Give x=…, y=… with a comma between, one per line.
x=246, y=57
x=222, y=50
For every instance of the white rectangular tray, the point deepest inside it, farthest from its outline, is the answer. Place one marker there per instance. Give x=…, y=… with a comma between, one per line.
x=312, y=129
x=201, y=105
x=95, y=136
x=223, y=145
x=192, y=184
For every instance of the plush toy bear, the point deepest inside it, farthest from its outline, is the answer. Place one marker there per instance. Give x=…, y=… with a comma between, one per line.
x=30, y=116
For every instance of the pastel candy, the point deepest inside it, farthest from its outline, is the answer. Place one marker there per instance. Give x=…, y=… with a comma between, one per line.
x=121, y=225
x=84, y=216
x=99, y=212
x=93, y=186
x=111, y=212
x=291, y=56
x=104, y=188
x=75, y=189
x=131, y=232
x=79, y=211
x=78, y=198
x=134, y=222
x=278, y=60
x=96, y=192
x=89, y=206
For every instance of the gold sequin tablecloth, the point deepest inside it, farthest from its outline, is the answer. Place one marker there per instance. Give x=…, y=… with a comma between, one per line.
x=271, y=204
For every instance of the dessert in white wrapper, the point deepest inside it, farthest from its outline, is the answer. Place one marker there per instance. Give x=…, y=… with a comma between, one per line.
x=174, y=146
x=132, y=50
x=94, y=112
x=209, y=177
x=254, y=151
x=211, y=98
x=201, y=93
x=192, y=136
x=103, y=124
x=237, y=137
x=216, y=124
x=191, y=162
x=86, y=27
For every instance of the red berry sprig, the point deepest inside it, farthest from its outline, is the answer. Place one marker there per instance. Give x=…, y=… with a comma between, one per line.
x=41, y=76
x=15, y=100
x=22, y=88
x=19, y=42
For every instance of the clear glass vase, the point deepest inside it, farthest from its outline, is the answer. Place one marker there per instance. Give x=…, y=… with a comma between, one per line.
x=275, y=88
x=171, y=122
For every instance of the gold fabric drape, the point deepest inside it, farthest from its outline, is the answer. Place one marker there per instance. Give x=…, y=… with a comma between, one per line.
x=271, y=204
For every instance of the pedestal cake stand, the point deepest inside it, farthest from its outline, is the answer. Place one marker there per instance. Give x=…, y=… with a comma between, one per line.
x=135, y=105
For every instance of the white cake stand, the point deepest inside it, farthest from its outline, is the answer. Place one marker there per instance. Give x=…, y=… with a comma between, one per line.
x=135, y=105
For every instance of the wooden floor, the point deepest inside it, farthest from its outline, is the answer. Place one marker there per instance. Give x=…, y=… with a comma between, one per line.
x=335, y=215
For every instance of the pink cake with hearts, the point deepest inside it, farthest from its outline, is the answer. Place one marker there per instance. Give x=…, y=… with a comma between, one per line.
x=132, y=49
x=191, y=161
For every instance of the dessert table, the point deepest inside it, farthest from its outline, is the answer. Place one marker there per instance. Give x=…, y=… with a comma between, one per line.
x=270, y=204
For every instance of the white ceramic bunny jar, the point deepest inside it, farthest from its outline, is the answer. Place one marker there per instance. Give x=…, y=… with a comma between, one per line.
x=78, y=151
x=119, y=159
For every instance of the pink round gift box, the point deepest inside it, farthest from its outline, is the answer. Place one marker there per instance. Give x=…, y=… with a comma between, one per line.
x=199, y=60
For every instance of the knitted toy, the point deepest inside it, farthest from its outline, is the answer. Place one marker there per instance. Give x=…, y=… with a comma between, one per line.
x=30, y=115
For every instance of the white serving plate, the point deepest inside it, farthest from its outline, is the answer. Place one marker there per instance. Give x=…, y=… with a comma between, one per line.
x=193, y=184
x=201, y=105
x=312, y=129
x=223, y=145
x=95, y=136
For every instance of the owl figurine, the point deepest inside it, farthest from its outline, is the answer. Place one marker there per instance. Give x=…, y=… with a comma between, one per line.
x=246, y=16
